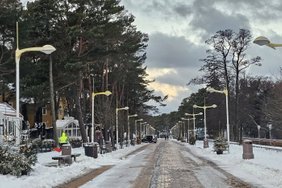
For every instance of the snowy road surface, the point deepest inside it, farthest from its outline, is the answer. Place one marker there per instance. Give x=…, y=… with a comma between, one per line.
x=166, y=164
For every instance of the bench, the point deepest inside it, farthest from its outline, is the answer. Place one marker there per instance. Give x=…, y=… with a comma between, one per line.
x=63, y=159
x=66, y=159
x=75, y=155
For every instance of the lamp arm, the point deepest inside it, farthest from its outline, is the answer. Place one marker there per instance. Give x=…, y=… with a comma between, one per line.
x=272, y=45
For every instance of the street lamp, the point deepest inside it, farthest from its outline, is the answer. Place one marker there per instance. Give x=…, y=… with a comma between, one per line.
x=225, y=92
x=258, y=126
x=194, y=119
x=135, y=124
x=187, y=132
x=47, y=49
x=107, y=93
x=265, y=41
x=128, y=127
x=142, y=127
x=118, y=109
x=206, y=143
x=269, y=127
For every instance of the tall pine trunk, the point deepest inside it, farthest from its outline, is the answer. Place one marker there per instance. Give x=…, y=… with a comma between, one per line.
x=78, y=108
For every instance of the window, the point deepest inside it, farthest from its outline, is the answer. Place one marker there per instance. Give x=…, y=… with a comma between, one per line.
x=44, y=111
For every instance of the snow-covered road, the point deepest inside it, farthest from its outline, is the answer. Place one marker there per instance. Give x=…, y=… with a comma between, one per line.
x=166, y=164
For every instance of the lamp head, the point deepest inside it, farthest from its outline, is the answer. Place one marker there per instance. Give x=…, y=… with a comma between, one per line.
x=210, y=89
x=124, y=108
x=195, y=106
x=201, y=113
x=214, y=105
x=48, y=49
x=107, y=93
x=133, y=115
x=261, y=40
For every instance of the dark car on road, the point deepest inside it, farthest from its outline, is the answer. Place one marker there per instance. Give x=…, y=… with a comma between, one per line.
x=149, y=139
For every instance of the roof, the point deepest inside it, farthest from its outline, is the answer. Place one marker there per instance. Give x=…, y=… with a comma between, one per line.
x=65, y=122
x=7, y=110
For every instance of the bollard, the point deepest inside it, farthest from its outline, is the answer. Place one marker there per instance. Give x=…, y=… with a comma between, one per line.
x=248, y=149
x=206, y=143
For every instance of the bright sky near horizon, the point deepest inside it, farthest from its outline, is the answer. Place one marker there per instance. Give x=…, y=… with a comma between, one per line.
x=177, y=30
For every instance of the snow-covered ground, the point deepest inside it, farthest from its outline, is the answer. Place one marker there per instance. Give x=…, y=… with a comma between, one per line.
x=265, y=170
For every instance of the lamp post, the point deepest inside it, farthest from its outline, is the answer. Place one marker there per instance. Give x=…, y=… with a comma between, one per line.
x=258, y=126
x=261, y=40
x=269, y=127
x=187, y=132
x=206, y=143
x=128, y=126
x=142, y=127
x=194, y=121
x=107, y=93
x=225, y=92
x=135, y=124
x=47, y=49
x=181, y=129
x=118, y=109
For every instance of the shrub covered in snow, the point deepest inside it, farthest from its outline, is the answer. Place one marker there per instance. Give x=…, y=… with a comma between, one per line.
x=220, y=145
x=75, y=142
x=17, y=163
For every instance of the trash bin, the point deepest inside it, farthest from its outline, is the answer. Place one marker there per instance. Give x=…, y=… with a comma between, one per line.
x=248, y=149
x=66, y=149
x=91, y=150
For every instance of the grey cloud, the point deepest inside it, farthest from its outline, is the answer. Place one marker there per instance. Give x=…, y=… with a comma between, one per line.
x=164, y=9
x=182, y=10
x=210, y=20
x=182, y=75
x=170, y=51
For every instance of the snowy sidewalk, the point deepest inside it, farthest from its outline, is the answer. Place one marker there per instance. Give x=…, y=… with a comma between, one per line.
x=47, y=174
x=265, y=170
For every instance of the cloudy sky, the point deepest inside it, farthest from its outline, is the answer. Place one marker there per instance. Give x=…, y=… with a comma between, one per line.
x=178, y=28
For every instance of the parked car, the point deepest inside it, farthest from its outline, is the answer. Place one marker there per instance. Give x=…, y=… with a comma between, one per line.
x=149, y=139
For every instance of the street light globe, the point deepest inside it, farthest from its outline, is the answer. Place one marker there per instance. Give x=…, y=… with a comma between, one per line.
x=126, y=108
x=107, y=93
x=201, y=113
x=210, y=89
x=48, y=49
x=261, y=40
x=214, y=105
